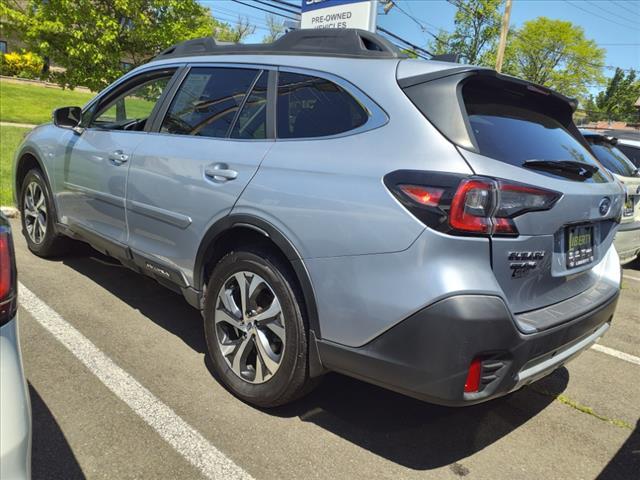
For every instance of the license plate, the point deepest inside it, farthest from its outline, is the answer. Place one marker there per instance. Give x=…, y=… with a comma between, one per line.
x=628, y=207
x=579, y=245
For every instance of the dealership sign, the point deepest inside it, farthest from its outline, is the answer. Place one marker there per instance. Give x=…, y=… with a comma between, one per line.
x=339, y=14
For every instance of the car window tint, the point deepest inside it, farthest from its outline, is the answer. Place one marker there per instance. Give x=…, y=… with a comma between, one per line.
x=207, y=101
x=612, y=158
x=632, y=153
x=514, y=126
x=252, y=120
x=314, y=107
x=132, y=107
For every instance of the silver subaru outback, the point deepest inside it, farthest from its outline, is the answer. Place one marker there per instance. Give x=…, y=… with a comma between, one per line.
x=329, y=205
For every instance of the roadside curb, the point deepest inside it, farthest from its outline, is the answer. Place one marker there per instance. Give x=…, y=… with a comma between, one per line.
x=19, y=125
x=10, y=212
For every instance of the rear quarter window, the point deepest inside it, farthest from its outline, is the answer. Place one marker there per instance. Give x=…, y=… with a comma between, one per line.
x=632, y=153
x=310, y=107
x=612, y=158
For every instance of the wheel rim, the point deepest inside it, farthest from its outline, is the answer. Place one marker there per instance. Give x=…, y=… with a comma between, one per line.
x=35, y=212
x=250, y=327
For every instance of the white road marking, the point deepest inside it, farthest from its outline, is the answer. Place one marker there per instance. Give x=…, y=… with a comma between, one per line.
x=631, y=277
x=616, y=353
x=174, y=430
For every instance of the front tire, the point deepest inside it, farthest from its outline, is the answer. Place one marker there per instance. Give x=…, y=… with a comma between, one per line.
x=256, y=334
x=38, y=217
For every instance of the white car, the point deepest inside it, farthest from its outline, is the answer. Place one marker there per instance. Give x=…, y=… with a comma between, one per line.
x=607, y=151
x=15, y=408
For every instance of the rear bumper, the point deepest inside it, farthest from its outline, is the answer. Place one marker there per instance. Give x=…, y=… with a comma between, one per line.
x=627, y=241
x=427, y=356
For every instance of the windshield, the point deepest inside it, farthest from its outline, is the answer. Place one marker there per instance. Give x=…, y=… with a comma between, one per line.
x=613, y=159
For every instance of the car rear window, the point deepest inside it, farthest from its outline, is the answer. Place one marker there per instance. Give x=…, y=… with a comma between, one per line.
x=508, y=126
x=315, y=107
x=612, y=158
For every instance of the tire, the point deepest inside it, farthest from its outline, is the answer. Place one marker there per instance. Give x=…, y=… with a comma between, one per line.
x=259, y=366
x=38, y=217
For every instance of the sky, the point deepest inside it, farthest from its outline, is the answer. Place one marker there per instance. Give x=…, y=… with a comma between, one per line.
x=613, y=24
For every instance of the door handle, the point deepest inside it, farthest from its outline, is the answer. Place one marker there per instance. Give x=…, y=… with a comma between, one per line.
x=118, y=157
x=220, y=172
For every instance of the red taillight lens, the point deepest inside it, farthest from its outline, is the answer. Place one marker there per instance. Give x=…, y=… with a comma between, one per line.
x=472, y=384
x=8, y=280
x=472, y=206
x=427, y=196
x=6, y=283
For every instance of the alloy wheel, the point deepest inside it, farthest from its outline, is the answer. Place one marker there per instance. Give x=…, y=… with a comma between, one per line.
x=35, y=212
x=250, y=327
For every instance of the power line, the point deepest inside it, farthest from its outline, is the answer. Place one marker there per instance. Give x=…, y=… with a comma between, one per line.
x=414, y=47
x=608, y=12
x=420, y=23
x=277, y=6
x=623, y=6
x=265, y=10
x=598, y=15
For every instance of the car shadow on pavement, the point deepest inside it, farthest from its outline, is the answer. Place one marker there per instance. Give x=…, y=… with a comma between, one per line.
x=409, y=432
x=416, y=434
x=626, y=462
x=166, y=308
x=51, y=455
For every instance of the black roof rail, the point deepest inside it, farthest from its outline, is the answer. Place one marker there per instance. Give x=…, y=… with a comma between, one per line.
x=333, y=42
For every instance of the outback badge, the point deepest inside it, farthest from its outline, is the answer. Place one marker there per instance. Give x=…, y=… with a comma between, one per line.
x=523, y=262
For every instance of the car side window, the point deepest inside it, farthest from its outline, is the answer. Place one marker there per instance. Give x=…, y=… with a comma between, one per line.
x=207, y=101
x=131, y=109
x=315, y=107
x=252, y=120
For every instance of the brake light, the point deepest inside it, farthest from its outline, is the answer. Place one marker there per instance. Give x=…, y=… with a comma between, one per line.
x=454, y=203
x=472, y=384
x=8, y=281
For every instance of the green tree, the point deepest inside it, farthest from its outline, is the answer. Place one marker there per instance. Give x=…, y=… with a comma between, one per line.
x=276, y=28
x=616, y=101
x=91, y=38
x=476, y=32
x=556, y=54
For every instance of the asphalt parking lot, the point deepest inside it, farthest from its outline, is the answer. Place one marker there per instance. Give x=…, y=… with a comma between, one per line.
x=121, y=387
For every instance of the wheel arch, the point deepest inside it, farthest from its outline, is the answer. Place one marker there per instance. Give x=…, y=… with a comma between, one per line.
x=242, y=226
x=27, y=160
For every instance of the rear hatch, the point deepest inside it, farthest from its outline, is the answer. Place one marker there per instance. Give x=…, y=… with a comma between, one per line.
x=509, y=129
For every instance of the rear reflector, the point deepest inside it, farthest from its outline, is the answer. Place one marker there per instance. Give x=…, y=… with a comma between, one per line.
x=472, y=384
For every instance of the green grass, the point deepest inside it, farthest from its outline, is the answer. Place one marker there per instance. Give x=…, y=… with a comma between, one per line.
x=24, y=103
x=10, y=137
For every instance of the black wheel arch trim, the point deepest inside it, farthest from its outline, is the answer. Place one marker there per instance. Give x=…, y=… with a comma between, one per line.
x=32, y=152
x=265, y=228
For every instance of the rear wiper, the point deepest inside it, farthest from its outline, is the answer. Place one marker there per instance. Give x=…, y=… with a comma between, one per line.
x=579, y=168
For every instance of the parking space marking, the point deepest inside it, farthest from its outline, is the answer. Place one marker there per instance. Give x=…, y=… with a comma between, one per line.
x=631, y=277
x=172, y=428
x=616, y=353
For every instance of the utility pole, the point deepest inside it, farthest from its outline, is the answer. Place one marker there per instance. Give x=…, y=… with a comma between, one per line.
x=503, y=35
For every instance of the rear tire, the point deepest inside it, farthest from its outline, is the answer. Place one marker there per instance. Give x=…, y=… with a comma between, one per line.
x=257, y=340
x=38, y=217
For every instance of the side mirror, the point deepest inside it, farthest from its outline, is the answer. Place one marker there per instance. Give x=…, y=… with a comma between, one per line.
x=67, y=117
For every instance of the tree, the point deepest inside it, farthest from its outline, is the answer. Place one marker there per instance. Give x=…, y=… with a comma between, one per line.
x=616, y=102
x=91, y=39
x=476, y=32
x=276, y=28
x=241, y=29
x=556, y=54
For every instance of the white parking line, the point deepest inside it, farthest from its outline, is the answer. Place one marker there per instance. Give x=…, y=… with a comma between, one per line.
x=174, y=430
x=631, y=277
x=616, y=353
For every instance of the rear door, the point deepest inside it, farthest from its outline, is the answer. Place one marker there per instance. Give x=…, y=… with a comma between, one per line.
x=499, y=124
x=191, y=170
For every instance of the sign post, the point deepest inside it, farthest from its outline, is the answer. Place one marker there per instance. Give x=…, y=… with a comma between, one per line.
x=339, y=14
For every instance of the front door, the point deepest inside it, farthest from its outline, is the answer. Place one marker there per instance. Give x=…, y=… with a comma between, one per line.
x=96, y=162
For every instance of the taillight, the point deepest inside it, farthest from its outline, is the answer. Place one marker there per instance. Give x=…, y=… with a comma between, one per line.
x=8, y=280
x=454, y=203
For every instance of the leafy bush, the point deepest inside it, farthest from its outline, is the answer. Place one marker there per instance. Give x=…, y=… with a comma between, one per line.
x=23, y=65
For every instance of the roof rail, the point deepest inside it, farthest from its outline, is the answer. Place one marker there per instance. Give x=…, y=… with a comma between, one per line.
x=333, y=42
